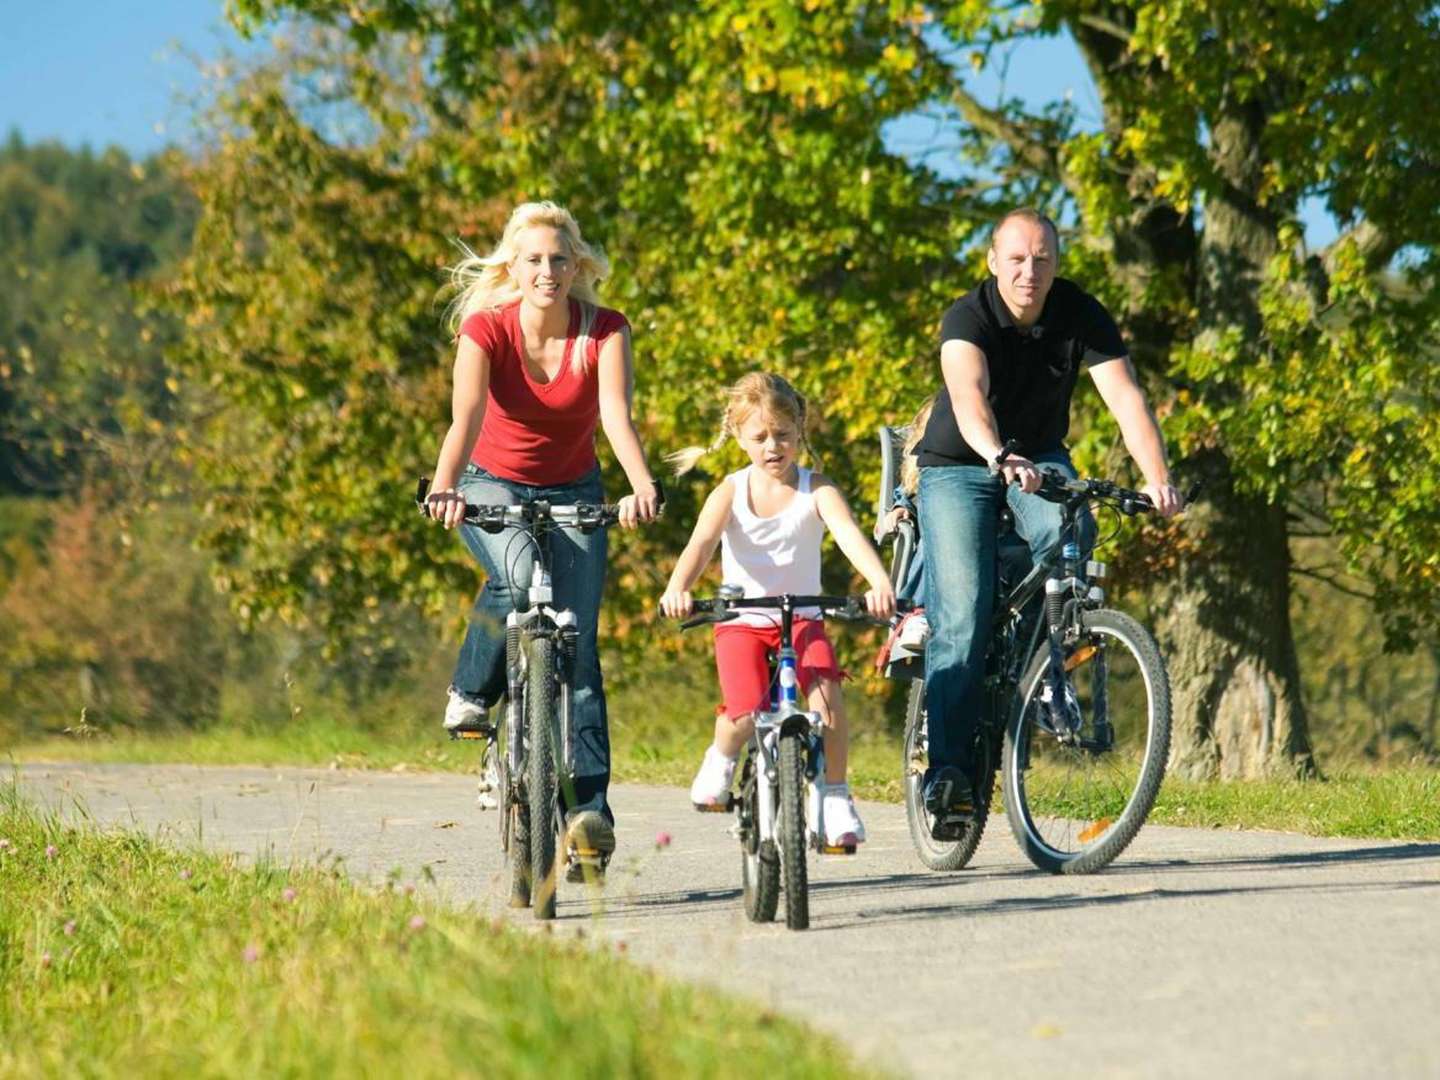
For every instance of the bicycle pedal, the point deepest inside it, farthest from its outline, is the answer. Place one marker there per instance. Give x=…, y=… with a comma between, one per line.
x=715, y=807
x=583, y=866
x=487, y=733
x=837, y=849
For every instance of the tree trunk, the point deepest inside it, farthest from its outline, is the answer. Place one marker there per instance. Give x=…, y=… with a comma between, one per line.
x=1239, y=710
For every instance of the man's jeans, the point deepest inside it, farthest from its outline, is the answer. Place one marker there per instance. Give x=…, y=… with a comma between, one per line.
x=959, y=518
x=577, y=568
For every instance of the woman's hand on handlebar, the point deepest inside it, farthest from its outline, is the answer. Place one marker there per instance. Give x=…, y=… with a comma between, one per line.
x=677, y=603
x=446, y=506
x=642, y=505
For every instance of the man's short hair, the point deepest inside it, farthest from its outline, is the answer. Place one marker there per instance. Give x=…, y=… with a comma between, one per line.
x=1032, y=215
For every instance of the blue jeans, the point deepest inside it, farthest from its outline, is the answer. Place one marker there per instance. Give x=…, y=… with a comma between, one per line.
x=959, y=518
x=577, y=568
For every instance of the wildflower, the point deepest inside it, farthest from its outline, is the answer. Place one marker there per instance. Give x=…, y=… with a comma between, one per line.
x=185, y=874
x=417, y=922
x=5, y=845
x=662, y=839
x=251, y=953
x=45, y=960
x=288, y=896
x=51, y=851
x=70, y=928
x=409, y=888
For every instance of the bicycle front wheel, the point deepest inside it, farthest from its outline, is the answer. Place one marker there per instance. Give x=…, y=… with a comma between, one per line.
x=940, y=854
x=791, y=830
x=1077, y=797
x=514, y=827
x=540, y=705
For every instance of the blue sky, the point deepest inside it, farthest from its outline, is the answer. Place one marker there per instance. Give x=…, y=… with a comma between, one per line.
x=108, y=72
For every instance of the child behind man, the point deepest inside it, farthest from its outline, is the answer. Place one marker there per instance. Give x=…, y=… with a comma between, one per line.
x=915, y=630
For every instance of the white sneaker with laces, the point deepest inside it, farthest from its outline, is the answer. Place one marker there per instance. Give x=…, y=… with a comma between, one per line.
x=842, y=821
x=914, y=632
x=711, y=786
x=460, y=712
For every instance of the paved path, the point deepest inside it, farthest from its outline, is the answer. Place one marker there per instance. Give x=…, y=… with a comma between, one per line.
x=1200, y=953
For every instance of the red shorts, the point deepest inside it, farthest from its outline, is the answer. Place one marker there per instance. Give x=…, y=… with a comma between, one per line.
x=744, y=676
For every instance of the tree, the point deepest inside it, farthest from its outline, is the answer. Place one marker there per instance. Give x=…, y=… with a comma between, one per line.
x=735, y=156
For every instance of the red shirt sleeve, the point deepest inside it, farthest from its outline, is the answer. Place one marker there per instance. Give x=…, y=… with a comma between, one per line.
x=483, y=328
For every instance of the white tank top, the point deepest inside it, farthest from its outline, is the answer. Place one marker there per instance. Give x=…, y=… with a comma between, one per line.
x=767, y=556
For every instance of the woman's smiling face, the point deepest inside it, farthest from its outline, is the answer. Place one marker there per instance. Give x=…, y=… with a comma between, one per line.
x=543, y=266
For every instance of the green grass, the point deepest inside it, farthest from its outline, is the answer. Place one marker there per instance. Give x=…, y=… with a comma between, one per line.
x=121, y=957
x=1401, y=803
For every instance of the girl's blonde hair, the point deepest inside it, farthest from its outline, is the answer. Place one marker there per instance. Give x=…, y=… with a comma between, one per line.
x=909, y=467
x=484, y=282
x=760, y=391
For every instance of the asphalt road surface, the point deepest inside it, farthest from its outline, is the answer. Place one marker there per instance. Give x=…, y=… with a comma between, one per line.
x=1201, y=952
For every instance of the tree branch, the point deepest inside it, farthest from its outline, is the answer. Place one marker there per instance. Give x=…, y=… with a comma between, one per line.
x=1031, y=150
x=1377, y=247
x=1325, y=579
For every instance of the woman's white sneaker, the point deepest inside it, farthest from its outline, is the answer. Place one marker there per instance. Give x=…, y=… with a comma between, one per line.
x=711, y=787
x=462, y=714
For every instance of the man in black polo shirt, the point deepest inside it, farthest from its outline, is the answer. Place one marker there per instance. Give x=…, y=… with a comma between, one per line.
x=1010, y=350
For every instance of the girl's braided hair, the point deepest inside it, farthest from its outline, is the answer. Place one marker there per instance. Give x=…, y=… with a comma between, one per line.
x=759, y=390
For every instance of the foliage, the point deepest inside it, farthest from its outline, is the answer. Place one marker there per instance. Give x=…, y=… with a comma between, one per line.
x=118, y=955
x=82, y=379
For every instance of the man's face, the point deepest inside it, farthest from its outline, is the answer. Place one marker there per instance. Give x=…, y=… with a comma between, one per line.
x=1022, y=259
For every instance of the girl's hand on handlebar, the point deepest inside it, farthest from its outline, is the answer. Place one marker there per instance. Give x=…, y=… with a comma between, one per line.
x=446, y=506
x=1166, y=499
x=643, y=505
x=880, y=601
x=677, y=603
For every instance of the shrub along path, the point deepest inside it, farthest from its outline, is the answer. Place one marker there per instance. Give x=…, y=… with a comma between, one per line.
x=1199, y=951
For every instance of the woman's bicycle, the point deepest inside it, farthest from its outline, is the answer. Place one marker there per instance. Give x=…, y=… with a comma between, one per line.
x=1076, y=712
x=533, y=749
x=785, y=754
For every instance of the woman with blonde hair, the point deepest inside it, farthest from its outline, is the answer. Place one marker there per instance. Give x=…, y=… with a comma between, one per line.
x=768, y=520
x=538, y=365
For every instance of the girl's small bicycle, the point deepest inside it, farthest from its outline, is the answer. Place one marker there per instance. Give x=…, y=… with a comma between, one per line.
x=785, y=754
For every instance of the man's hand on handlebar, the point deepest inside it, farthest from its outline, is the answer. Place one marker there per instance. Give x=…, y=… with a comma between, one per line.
x=1012, y=468
x=1166, y=498
x=446, y=506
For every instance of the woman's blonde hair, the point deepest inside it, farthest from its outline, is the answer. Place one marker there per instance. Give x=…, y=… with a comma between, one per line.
x=484, y=282
x=758, y=391
x=909, y=467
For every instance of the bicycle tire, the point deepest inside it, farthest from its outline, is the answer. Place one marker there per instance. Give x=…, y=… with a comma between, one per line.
x=540, y=705
x=759, y=859
x=791, y=831
x=514, y=824
x=943, y=855
x=1074, y=808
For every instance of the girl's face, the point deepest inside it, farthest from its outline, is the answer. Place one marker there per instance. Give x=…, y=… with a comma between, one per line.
x=772, y=442
x=543, y=266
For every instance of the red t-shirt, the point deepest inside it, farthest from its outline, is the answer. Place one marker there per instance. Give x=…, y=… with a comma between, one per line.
x=533, y=432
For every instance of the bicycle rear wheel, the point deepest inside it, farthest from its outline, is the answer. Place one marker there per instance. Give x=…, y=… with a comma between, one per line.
x=759, y=859
x=1076, y=801
x=791, y=831
x=540, y=704
x=940, y=854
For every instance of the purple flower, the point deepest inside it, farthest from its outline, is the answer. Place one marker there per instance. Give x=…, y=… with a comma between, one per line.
x=417, y=922
x=251, y=953
x=45, y=960
x=185, y=874
x=51, y=851
x=409, y=888
x=662, y=839
x=70, y=928
x=288, y=896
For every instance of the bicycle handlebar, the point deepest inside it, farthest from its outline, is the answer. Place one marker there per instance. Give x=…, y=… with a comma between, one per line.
x=493, y=518
x=718, y=609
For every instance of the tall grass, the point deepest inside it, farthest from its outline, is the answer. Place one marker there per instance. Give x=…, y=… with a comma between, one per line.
x=122, y=957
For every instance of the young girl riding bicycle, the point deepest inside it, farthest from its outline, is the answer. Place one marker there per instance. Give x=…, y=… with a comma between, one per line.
x=768, y=519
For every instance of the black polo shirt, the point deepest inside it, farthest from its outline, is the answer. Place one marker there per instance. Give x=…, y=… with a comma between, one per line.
x=1032, y=370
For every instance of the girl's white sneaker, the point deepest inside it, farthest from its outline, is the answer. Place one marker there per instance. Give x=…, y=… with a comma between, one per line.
x=843, y=826
x=710, y=789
